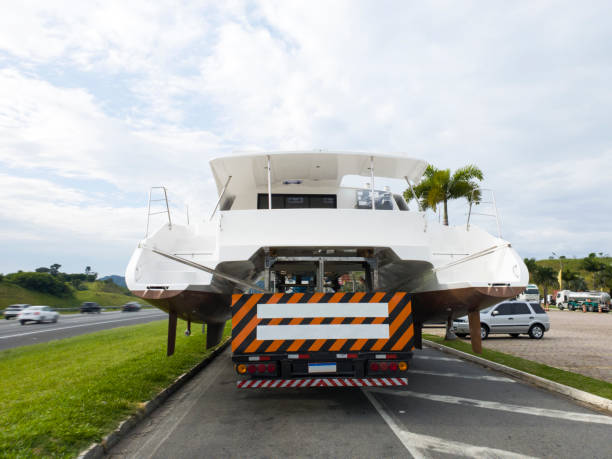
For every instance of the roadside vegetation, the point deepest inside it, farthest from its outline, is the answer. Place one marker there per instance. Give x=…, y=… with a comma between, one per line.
x=57, y=398
x=49, y=286
x=578, y=381
x=593, y=272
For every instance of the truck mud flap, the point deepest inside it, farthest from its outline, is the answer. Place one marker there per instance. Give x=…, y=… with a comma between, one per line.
x=320, y=382
x=322, y=322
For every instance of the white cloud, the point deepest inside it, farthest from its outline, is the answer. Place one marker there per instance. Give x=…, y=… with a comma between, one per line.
x=141, y=94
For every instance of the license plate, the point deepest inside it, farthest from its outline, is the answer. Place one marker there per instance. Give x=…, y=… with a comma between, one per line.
x=321, y=368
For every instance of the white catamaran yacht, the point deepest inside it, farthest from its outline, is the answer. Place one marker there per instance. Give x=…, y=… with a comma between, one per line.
x=284, y=222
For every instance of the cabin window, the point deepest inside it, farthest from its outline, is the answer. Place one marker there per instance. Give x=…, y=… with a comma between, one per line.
x=298, y=201
x=401, y=203
x=382, y=200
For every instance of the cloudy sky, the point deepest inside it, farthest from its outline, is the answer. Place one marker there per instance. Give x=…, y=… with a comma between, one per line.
x=101, y=100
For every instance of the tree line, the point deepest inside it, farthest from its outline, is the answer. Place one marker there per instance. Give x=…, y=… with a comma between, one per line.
x=547, y=277
x=54, y=282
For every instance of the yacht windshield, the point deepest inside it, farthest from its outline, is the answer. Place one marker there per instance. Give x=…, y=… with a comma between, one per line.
x=382, y=200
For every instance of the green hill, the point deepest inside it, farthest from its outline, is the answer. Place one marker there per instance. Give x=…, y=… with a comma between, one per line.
x=100, y=292
x=576, y=265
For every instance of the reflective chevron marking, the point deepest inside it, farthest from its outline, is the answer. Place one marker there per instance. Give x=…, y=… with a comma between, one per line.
x=320, y=382
x=322, y=322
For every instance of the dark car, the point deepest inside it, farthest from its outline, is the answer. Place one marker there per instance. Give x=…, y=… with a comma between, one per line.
x=91, y=306
x=13, y=310
x=132, y=306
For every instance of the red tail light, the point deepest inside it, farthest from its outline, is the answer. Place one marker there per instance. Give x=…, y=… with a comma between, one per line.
x=251, y=369
x=271, y=368
x=37, y=313
x=261, y=368
x=393, y=366
x=383, y=366
x=374, y=366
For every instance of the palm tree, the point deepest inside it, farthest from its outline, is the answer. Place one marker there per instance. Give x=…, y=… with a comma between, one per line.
x=531, y=266
x=594, y=266
x=546, y=277
x=606, y=277
x=439, y=186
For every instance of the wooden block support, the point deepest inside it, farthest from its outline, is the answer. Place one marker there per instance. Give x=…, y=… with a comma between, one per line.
x=474, y=318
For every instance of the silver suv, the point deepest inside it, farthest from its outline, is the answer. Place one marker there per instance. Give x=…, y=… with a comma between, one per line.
x=512, y=317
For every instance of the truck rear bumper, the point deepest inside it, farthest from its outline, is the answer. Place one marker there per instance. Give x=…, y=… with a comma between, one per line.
x=320, y=382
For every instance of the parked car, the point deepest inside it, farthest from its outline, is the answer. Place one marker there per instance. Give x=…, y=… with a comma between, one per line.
x=132, y=306
x=91, y=306
x=512, y=317
x=38, y=314
x=13, y=310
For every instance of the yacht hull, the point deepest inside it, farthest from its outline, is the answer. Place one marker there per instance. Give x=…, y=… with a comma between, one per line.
x=432, y=306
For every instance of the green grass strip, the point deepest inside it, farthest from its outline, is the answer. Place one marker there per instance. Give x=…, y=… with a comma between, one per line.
x=57, y=398
x=578, y=381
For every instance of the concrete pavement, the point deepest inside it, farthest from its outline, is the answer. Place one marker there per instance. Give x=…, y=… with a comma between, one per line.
x=577, y=341
x=450, y=408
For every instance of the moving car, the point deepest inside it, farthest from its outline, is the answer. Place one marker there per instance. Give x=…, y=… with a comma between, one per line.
x=38, y=314
x=13, y=310
x=91, y=306
x=512, y=317
x=132, y=306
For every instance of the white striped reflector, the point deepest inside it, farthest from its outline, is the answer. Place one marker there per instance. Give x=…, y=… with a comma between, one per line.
x=310, y=310
x=347, y=331
x=321, y=382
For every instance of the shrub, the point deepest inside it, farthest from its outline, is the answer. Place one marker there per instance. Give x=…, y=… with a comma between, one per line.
x=41, y=282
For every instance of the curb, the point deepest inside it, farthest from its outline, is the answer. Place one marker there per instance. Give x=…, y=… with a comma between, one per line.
x=98, y=450
x=593, y=401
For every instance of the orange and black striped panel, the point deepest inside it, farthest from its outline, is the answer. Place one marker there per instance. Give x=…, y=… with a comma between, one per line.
x=256, y=332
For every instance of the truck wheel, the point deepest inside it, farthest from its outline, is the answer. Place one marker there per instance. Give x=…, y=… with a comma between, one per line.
x=484, y=331
x=536, y=331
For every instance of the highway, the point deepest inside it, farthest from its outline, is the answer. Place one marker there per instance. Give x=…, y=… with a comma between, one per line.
x=451, y=408
x=13, y=334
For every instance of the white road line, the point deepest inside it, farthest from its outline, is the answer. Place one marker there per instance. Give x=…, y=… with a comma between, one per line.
x=459, y=375
x=431, y=357
x=531, y=410
x=73, y=326
x=424, y=446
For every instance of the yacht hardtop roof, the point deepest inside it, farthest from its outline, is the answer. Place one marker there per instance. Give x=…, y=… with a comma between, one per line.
x=313, y=165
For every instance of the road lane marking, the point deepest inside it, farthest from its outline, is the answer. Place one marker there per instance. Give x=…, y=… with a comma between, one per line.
x=459, y=375
x=531, y=410
x=432, y=357
x=423, y=446
x=77, y=326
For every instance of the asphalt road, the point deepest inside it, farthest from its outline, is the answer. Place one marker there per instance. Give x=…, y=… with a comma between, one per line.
x=451, y=408
x=13, y=334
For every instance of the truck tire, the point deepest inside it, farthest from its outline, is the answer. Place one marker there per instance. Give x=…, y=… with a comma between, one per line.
x=484, y=331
